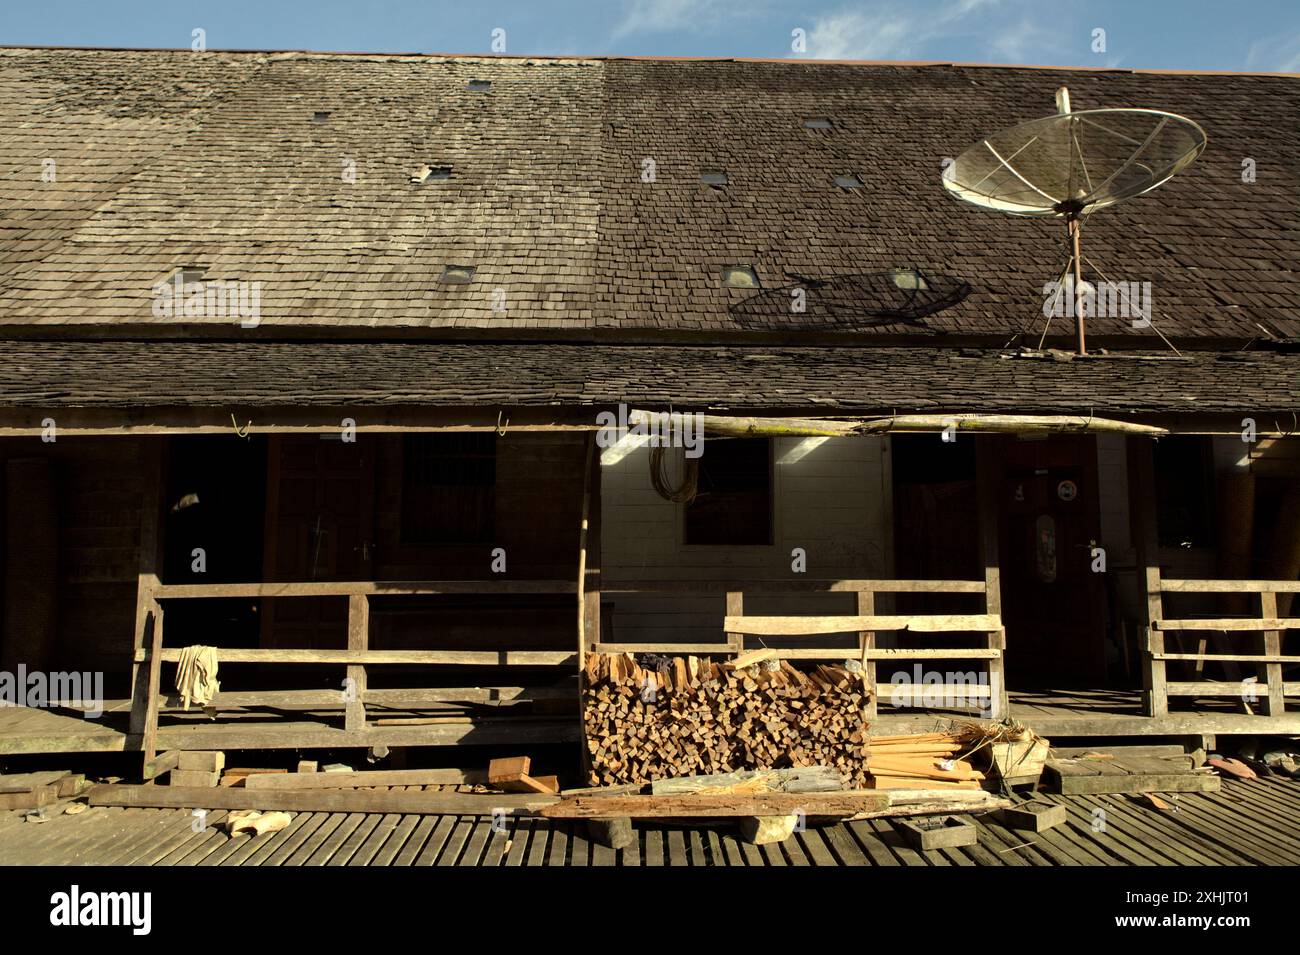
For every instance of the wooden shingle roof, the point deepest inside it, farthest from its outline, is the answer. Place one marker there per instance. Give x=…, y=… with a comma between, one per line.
x=167, y=159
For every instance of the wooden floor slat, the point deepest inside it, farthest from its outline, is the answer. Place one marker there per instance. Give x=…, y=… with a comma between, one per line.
x=1248, y=823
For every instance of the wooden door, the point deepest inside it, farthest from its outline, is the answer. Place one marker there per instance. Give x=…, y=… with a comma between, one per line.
x=1051, y=598
x=319, y=526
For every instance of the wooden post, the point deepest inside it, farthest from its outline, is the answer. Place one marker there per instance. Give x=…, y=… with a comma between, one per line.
x=354, y=714
x=1275, y=703
x=988, y=482
x=588, y=583
x=589, y=556
x=150, y=736
x=736, y=608
x=867, y=642
x=148, y=612
x=1142, y=511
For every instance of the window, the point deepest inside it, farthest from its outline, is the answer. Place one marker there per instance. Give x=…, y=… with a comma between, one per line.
x=457, y=274
x=817, y=122
x=739, y=276
x=320, y=116
x=1185, y=505
x=733, y=503
x=848, y=181
x=479, y=86
x=713, y=177
x=448, y=488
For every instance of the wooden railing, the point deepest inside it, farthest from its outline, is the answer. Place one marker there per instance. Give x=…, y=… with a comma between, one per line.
x=1269, y=689
x=150, y=653
x=735, y=625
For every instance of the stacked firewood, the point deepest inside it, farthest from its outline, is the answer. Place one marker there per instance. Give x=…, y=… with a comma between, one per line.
x=664, y=717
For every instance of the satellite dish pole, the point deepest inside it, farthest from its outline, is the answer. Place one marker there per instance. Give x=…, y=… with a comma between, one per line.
x=1072, y=224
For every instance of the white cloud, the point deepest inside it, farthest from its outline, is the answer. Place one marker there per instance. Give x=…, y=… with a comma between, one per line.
x=1276, y=54
x=889, y=33
x=664, y=16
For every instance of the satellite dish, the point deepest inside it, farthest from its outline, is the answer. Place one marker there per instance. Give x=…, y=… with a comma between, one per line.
x=1073, y=163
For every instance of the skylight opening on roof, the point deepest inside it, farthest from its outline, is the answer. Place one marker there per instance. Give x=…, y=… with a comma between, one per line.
x=188, y=273
x=320, y=116
x=713, y=177
x=910, y=280
x=429, y=173
x=848, y=181
x=739, y=276
x=817, y=122
x=479, y=86
x=457, y=274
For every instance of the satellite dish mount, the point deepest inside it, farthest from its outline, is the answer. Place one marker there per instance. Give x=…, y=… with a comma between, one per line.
x=1070, y=164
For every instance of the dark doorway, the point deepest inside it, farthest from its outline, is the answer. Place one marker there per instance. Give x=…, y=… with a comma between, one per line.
x=212, y=534
x=319, y=526
x=1052, y=600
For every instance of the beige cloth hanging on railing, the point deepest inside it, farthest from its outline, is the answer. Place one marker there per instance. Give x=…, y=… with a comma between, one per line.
x=196, y=675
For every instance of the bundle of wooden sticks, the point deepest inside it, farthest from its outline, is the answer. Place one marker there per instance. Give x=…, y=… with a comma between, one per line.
x=681, y=716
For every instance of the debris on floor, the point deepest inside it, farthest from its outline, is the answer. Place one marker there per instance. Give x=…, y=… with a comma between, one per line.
x=511, y=775
x=259, y=823
x=924, y=760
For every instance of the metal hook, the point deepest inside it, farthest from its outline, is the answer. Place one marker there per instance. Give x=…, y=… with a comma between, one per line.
x=235, y=425
x=501, y=430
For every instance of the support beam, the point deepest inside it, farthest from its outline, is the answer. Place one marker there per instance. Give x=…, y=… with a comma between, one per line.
x=354, y=714
x=988, y=480
x=148, y=612
x=1275, y=702
x=1142, y=511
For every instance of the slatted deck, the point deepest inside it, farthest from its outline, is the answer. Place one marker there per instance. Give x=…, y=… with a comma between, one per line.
x=1248, y=824
x=1057, y=715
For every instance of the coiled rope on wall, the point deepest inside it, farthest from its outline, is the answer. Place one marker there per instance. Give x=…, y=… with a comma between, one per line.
x=684, y=492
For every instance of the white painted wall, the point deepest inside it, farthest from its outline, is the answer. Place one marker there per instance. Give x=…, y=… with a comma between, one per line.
x=830, y=498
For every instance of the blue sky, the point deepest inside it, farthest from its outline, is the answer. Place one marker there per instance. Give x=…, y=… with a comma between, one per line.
x=1191, y=34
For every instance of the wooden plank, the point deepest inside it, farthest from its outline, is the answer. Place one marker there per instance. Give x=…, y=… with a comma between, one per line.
x=787, y=585
x=391, y=777
x=1229, y=586
x=926, y=653
x=457, y=657
x=344, y=588
x=721, y=649
x=1211, y=688
x=733, y=805
x=1235, y=657
x=1072, y=779
x=318, y=801
x=414, y=698
x=816, y=626
x=1233, y=623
